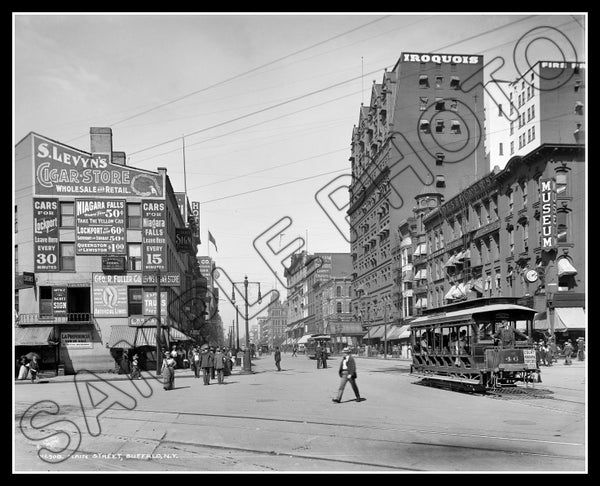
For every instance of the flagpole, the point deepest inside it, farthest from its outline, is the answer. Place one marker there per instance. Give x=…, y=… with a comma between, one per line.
x=208, y=242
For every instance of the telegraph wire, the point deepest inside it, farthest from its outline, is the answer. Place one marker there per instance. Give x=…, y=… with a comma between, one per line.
x=237, y=76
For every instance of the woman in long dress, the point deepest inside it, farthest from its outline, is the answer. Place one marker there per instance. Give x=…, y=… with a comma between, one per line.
x=168, y=372
x=23, y=370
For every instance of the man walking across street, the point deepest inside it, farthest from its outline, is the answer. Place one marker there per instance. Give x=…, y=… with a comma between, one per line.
x=278, y=358
x=347, y=373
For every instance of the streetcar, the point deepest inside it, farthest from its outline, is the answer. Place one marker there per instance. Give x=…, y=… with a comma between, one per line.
x=457, y=345
x=323, y=340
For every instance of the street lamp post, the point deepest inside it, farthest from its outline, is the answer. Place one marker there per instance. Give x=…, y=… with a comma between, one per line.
x=385, y=331
x=247, y=363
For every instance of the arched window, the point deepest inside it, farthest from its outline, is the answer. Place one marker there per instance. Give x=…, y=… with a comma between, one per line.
x=338, y=291
x=339, y=307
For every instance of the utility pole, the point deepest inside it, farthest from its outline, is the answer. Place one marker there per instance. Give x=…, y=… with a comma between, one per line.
x=158, y=327
x=385, y=307
x=247, y=353
x=237, y=329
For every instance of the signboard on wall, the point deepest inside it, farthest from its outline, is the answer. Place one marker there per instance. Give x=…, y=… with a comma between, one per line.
x=59, y=301
x=323, y=272
x=154, y=235
x=60, y=170
x=183, y=240
x=149, y=304
x=205, y=265
x=181, y=202
x=109, y=298
x=196, y=214
x=100, y=226
x=45, y=235
x=138, y=279
x=76, y=339
x=548, y=237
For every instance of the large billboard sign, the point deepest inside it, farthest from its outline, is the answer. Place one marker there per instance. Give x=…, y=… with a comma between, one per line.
x=548, y=238
x=154, y=235
x=45, y=235
x=100, y=226
x=60, y=170
x=109, y=298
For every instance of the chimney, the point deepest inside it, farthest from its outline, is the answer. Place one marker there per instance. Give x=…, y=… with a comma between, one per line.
x=119, y=158
x=100, y=140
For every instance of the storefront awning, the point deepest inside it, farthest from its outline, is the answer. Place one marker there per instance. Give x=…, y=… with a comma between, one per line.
x=303, y=339
x=34, y=336
x=122, y=337
x=565, y=268
x=572, y=318
x=399, y=332
x=450, y=294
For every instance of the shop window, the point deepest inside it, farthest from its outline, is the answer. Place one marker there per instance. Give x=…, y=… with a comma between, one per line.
x=423, y=100
x=134, y=300
x=423, y=81
x=46, y=301
x=439, y=126
x=67, y=215
x=134, y=256
x=134, y=215
x=67, y=257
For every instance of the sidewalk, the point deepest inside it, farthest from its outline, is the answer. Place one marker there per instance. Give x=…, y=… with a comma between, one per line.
x=108, y=376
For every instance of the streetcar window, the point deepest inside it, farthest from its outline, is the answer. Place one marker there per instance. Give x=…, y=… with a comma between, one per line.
x=486, y=331
x=446, y=340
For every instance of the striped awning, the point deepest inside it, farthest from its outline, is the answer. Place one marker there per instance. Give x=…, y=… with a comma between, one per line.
x=34, y=336
x=122, y=337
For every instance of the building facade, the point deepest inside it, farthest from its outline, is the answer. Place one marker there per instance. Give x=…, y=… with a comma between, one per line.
x=93, y=241
x=423, y=127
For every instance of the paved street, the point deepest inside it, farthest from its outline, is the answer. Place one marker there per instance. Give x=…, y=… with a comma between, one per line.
x=285, y=421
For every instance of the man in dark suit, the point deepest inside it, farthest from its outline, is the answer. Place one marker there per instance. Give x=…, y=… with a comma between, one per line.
x=347, y=373
x=278, y=358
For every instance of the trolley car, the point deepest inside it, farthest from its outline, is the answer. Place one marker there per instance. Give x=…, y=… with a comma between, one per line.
x=456, y=345
x=323, y=340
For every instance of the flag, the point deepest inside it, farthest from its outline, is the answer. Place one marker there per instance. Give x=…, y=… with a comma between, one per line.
x=211, y=239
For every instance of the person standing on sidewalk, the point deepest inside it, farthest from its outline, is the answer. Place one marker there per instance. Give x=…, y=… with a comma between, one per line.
x=278, y=358
x=206, y=364
x=196, y=363
x=294, y=350
x=219, y=364
x=135, y=368
x=568, y=351
x=347, y=373
x=168, y=371
x=580, y=349
x=34, y=368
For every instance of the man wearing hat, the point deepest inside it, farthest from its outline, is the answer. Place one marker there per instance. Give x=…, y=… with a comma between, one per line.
x=347, y=373
x=135, y=368
x=568, y=351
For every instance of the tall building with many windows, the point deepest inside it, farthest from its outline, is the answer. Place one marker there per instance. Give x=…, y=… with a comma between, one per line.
x=423, y=127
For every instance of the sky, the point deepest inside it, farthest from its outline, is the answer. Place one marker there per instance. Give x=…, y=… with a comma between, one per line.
x=264, y=103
